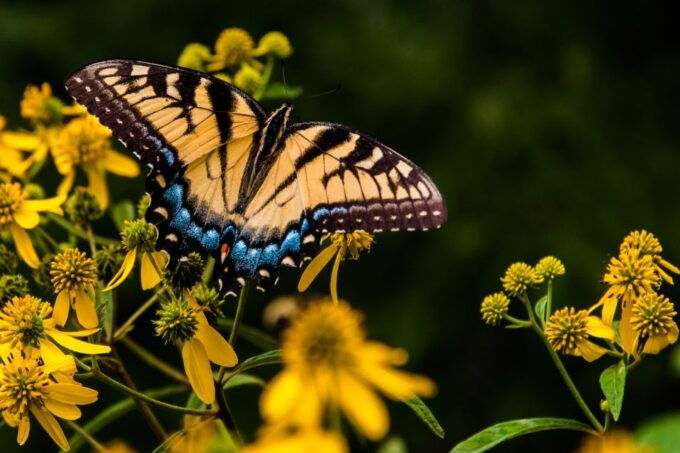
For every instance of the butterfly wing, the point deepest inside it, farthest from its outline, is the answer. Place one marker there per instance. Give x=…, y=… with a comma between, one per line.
x=327, y=178
x=194, y=131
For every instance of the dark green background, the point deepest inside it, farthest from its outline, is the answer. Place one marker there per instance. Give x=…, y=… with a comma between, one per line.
x=550, y=128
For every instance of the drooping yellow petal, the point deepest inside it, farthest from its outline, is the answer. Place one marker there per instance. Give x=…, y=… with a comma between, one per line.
x=76, y=345
x=62, y=306
x=22, y=241
x=397, y=384
x=66, y=184
x=626, y=331
x=655, y=343
x=20, y=140
x=55, y=360
x=197, y=368
x=85, y=310
x=48, y=204
x=590, y=351
x=280, y=395
x=124, y=271
x=51, y=425
x=151, y=278
x=72, y=393
x=218, y=349
x=26, y=218
x=597, y=328
x=24, y=429
x=316, y=265
x=97, y=185
x=363, y=407
x=334, y=273
x=121, y=165
x=62, y=410
x=608, y=310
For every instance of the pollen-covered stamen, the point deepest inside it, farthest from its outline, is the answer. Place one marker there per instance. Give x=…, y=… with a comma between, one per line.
x=494, y=307
x=11, y=197
x=549, y=267
x=82, y=141
x=653, y=315
x=176, y=322
x=23, y=381
x=519, y=277
x=567, y=328
x=21, y=321
x=73, y=270
x=632, y=272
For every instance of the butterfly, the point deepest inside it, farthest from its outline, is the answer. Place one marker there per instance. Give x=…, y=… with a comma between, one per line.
x=255, y=190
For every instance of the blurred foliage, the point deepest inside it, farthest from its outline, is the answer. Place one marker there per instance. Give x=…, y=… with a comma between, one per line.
x=549, y=127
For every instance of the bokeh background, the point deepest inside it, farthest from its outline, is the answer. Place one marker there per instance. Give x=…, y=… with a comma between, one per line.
x=550, y=128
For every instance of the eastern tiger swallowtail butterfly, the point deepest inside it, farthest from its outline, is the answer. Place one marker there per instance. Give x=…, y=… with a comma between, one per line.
x=253, y=189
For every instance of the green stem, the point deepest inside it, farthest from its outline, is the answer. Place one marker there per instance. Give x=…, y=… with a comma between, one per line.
x=224, y=413
x=47, y=237
x=87, y=436
x=154, y=361
x=68, y=226
x=90, y=239
x=122, y=330
x=266, y=75
x=516, y=321
x=548, y=304
x=560, y=367
x=240, y=309
x=135, y=394
x=208, y=270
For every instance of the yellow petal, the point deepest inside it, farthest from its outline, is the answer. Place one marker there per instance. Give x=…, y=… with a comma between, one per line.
x=47, y=204
x=26, y=218
x=121, y=165
x=396, y=384
x=334, y=273
x=85, y=310
x=72, y=393
x=55, y=360
x=363, y=407
x=608, y=310
x=197, y=368
x=590, y=351
x=597, y=328
x=83, y=333
x=151, y=278
x=20, y=140
x=22, y=241
x=656, y=343
x=66, y=184
x=62, y=410
x=24, y=429
x=316, y=265
x=51, y=425
x=124, y=271
x=61, y=307
x=97, y=185
x=218, y=349
x=280, y=395
x=626, y=331
x=67, y=341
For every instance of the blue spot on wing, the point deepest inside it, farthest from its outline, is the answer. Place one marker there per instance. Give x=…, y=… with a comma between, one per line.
x=211, y=240
x=320, y=213
x=168, y=155
x=174, y=195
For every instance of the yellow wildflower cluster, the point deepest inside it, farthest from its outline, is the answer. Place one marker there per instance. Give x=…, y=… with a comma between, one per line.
x=235, y=57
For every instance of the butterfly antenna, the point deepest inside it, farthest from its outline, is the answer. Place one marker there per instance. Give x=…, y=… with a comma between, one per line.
x=325, y=93
x=283, y=75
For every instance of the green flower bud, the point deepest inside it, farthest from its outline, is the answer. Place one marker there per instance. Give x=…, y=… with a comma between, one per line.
x=12, y=285
x=176, y=322
x=8, y=260
x=209, y=298
x=142, y=205
x=108, y=260
x=82, y=207
x=41, y=275
x=138, y=234
x=189, y=271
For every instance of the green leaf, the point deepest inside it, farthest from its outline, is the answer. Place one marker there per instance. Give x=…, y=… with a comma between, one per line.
x=496, y=434
x=251, y=335
x=661, y=433
x=237, y=381
x=106, y=301
x=613, y=383
x=165, y=446
x=425, y=414
x=125, y=210
x=277, y=90
x=266, y=358
x=540, y=307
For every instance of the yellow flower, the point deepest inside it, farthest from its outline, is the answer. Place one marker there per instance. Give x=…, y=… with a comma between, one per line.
x=18, y=214
x=341, y=244
x=197, y=435
x=629, y=276
x=275, y=43
x=308, y=440
x=118, y=446
x=330, y=366
x=27, y=386
x=24, y=322
x=248, y=78
x=194, y=56
x=652, y=323
x=73, y=277
x=86, y=143
x=39, y=106
x=568, y=331
x=139, y=236
x=648, y=244
x=616, y=441
x=233, y=46
x=494, y=307
x=184, y=322
x=12, y=148
x=519, y=277
x=549, y=267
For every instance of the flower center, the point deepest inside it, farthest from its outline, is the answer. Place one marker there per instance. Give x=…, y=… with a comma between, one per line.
x=11, y=197
x=21, y=320
x=72, y=270
x=23, y=381
x=653, y=315
x=176, y=322
x=566, y=329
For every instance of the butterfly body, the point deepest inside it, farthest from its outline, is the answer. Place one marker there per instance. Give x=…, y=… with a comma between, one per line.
x=254, y=190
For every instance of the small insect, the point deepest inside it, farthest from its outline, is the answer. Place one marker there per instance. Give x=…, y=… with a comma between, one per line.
x=255, y=190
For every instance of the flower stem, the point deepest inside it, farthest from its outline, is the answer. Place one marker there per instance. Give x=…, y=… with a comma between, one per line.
x=224, y=413
x=87, y=436
x=71, y=228
x=47, y=237
x=122, y=330
x=239, y=314
x=562, y=370
x=153, y=361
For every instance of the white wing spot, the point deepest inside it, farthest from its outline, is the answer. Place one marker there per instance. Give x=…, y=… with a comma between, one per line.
x=422, y=213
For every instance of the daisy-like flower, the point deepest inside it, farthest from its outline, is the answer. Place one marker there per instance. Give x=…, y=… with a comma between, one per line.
x=27, y=386
x=519, y=277
x=84, y=142
x=39, y=106
x=275, y=43
x=341, y=244
x=18, y=214
x=73, y=278
x=494, y=307
x=248, y=78
x=568, y=330
x=648, y=244
x=183, y=322
x=652, y=324
x=304, y=440
x=139, y=237
x=232, y=47
x=26, y=322
x=330, y=366
x=629, y=276
x=13, y=145
x=195, y=56
x=549, y=267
